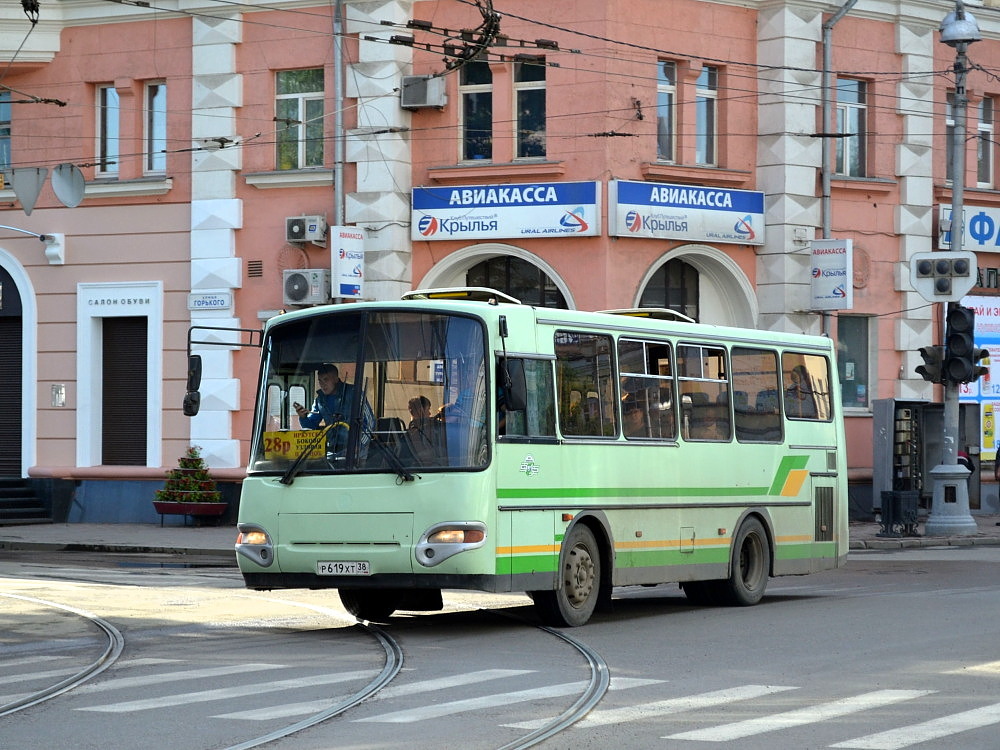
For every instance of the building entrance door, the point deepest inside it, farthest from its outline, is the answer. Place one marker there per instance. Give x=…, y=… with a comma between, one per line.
x=11, y=333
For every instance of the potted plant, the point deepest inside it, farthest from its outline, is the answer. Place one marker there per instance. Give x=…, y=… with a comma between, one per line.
x=189, y=489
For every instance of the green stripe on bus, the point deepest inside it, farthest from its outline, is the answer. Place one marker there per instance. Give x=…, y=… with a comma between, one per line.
x=561, y=493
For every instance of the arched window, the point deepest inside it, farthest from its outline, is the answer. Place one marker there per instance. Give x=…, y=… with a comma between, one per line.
x=674, y=286
x=519, y=279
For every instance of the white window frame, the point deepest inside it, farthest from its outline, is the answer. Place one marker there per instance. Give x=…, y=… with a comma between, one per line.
x=6, y=123
x=666, y=101
x=853, y=149
x=468, y=89
x=108, y=131
x=303, y=99
x=520, y=87
x=155, y=127
x=707, y=116
x=985, y=146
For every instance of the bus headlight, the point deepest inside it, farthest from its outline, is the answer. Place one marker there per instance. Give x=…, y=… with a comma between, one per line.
x=445, y=540
x=255, y=545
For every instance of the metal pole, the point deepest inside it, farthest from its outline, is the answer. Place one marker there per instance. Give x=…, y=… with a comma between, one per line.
x=950, y=503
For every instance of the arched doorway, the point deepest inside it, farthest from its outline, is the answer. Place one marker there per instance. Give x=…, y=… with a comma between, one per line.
x=507, y=269
x=703, y=283
x=11, y=366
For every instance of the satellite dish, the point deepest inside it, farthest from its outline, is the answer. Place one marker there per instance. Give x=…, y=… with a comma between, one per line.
x=68, y=184
x=27, y=183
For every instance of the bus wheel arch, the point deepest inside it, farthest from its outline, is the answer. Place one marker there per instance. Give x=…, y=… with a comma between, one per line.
x=583, y=577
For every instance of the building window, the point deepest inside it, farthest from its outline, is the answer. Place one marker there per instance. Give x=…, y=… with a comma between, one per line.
x=853, y=360
x=108, y=131
x=156, y=127
x=706, y=101
x=852, y=116
x=949, y=135
x=4, y=130
x=518, y=278
x=674, y=286
x=299, y=114
x=666, y=97
x=476, y=95
x=529, y=106
x=984, y=153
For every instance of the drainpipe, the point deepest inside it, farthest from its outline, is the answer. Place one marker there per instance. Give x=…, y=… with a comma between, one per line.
x=829, y=127
x=338, y=114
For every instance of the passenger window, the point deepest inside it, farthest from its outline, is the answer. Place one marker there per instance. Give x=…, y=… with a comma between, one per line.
x=585, y=383
x=704, y=389
x=647, y=390
x=755, y=395
x=806, y=382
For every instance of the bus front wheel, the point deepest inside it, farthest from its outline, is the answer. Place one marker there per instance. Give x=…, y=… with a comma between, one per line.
x=369, y=604
x=750, y=567
x=573, y=602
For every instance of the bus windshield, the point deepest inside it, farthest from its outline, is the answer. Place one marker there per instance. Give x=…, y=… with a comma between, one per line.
x=372, y=391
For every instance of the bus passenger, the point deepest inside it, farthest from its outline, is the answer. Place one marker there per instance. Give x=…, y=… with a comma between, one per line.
x=424, y=431
x=332, y=406
x=634, y=418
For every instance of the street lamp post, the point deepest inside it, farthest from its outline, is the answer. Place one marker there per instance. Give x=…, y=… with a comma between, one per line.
x=950, y=501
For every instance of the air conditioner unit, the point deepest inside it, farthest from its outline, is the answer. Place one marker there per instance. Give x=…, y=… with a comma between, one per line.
x=422, y=91
x=305, y=286
x=305, y=229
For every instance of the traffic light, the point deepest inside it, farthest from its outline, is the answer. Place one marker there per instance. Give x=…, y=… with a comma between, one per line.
x=943, y=277
x=962, y=357
x=931, y=369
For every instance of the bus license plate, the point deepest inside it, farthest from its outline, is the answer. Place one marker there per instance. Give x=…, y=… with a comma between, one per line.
x=354, y=568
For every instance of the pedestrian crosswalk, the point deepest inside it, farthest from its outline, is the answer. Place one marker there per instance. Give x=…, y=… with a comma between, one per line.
x=655, y=710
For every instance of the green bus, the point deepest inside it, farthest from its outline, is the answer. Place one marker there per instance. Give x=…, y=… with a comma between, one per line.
x=471, y=442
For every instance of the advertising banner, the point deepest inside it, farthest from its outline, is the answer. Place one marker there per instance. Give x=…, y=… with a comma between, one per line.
x=986, y=390
x=347, y=257
x=480, y=212
x=685, y=212
x=832, y=274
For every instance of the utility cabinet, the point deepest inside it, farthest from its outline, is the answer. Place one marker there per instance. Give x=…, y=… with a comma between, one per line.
x=908, y=440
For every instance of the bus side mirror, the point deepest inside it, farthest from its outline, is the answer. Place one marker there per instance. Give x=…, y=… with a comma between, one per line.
x=516, y=394
x=194, y=372
x=192, y=402
x=192, y=399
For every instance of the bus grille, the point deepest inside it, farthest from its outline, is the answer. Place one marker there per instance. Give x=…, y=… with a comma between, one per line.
x=824, y=514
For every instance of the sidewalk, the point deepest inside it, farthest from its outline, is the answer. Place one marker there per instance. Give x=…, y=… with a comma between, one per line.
x=219, y=540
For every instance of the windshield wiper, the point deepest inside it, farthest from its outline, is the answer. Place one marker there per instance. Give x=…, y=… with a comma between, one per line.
x=401, y=471
x=289, y=476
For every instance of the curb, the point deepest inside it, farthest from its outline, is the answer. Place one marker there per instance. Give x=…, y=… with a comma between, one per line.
x=131, y=549
x=891, y=543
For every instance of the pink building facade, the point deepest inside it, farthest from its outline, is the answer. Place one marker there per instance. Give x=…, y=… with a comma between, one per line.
x=195, y=135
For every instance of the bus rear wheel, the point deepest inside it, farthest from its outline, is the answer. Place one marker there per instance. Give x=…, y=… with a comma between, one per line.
x=749, y=569
x=573, y=602
x=369, y=604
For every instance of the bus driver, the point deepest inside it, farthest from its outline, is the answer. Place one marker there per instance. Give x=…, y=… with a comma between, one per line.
x=332, y=406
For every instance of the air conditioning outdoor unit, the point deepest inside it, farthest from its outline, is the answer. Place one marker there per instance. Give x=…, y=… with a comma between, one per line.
x=305, y=229
x=306, y=286
x=422, y=91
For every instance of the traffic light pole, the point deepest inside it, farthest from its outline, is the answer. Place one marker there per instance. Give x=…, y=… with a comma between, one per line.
x=950, y=502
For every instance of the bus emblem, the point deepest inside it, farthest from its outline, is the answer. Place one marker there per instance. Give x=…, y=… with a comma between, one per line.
x=528, y=466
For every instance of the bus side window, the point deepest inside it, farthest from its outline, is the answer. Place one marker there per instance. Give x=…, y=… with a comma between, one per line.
x=530, y=413
x=755, y=395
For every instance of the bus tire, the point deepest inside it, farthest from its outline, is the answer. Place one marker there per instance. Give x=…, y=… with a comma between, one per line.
x=750, y=567
x=375, y=605
x=573, y=602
